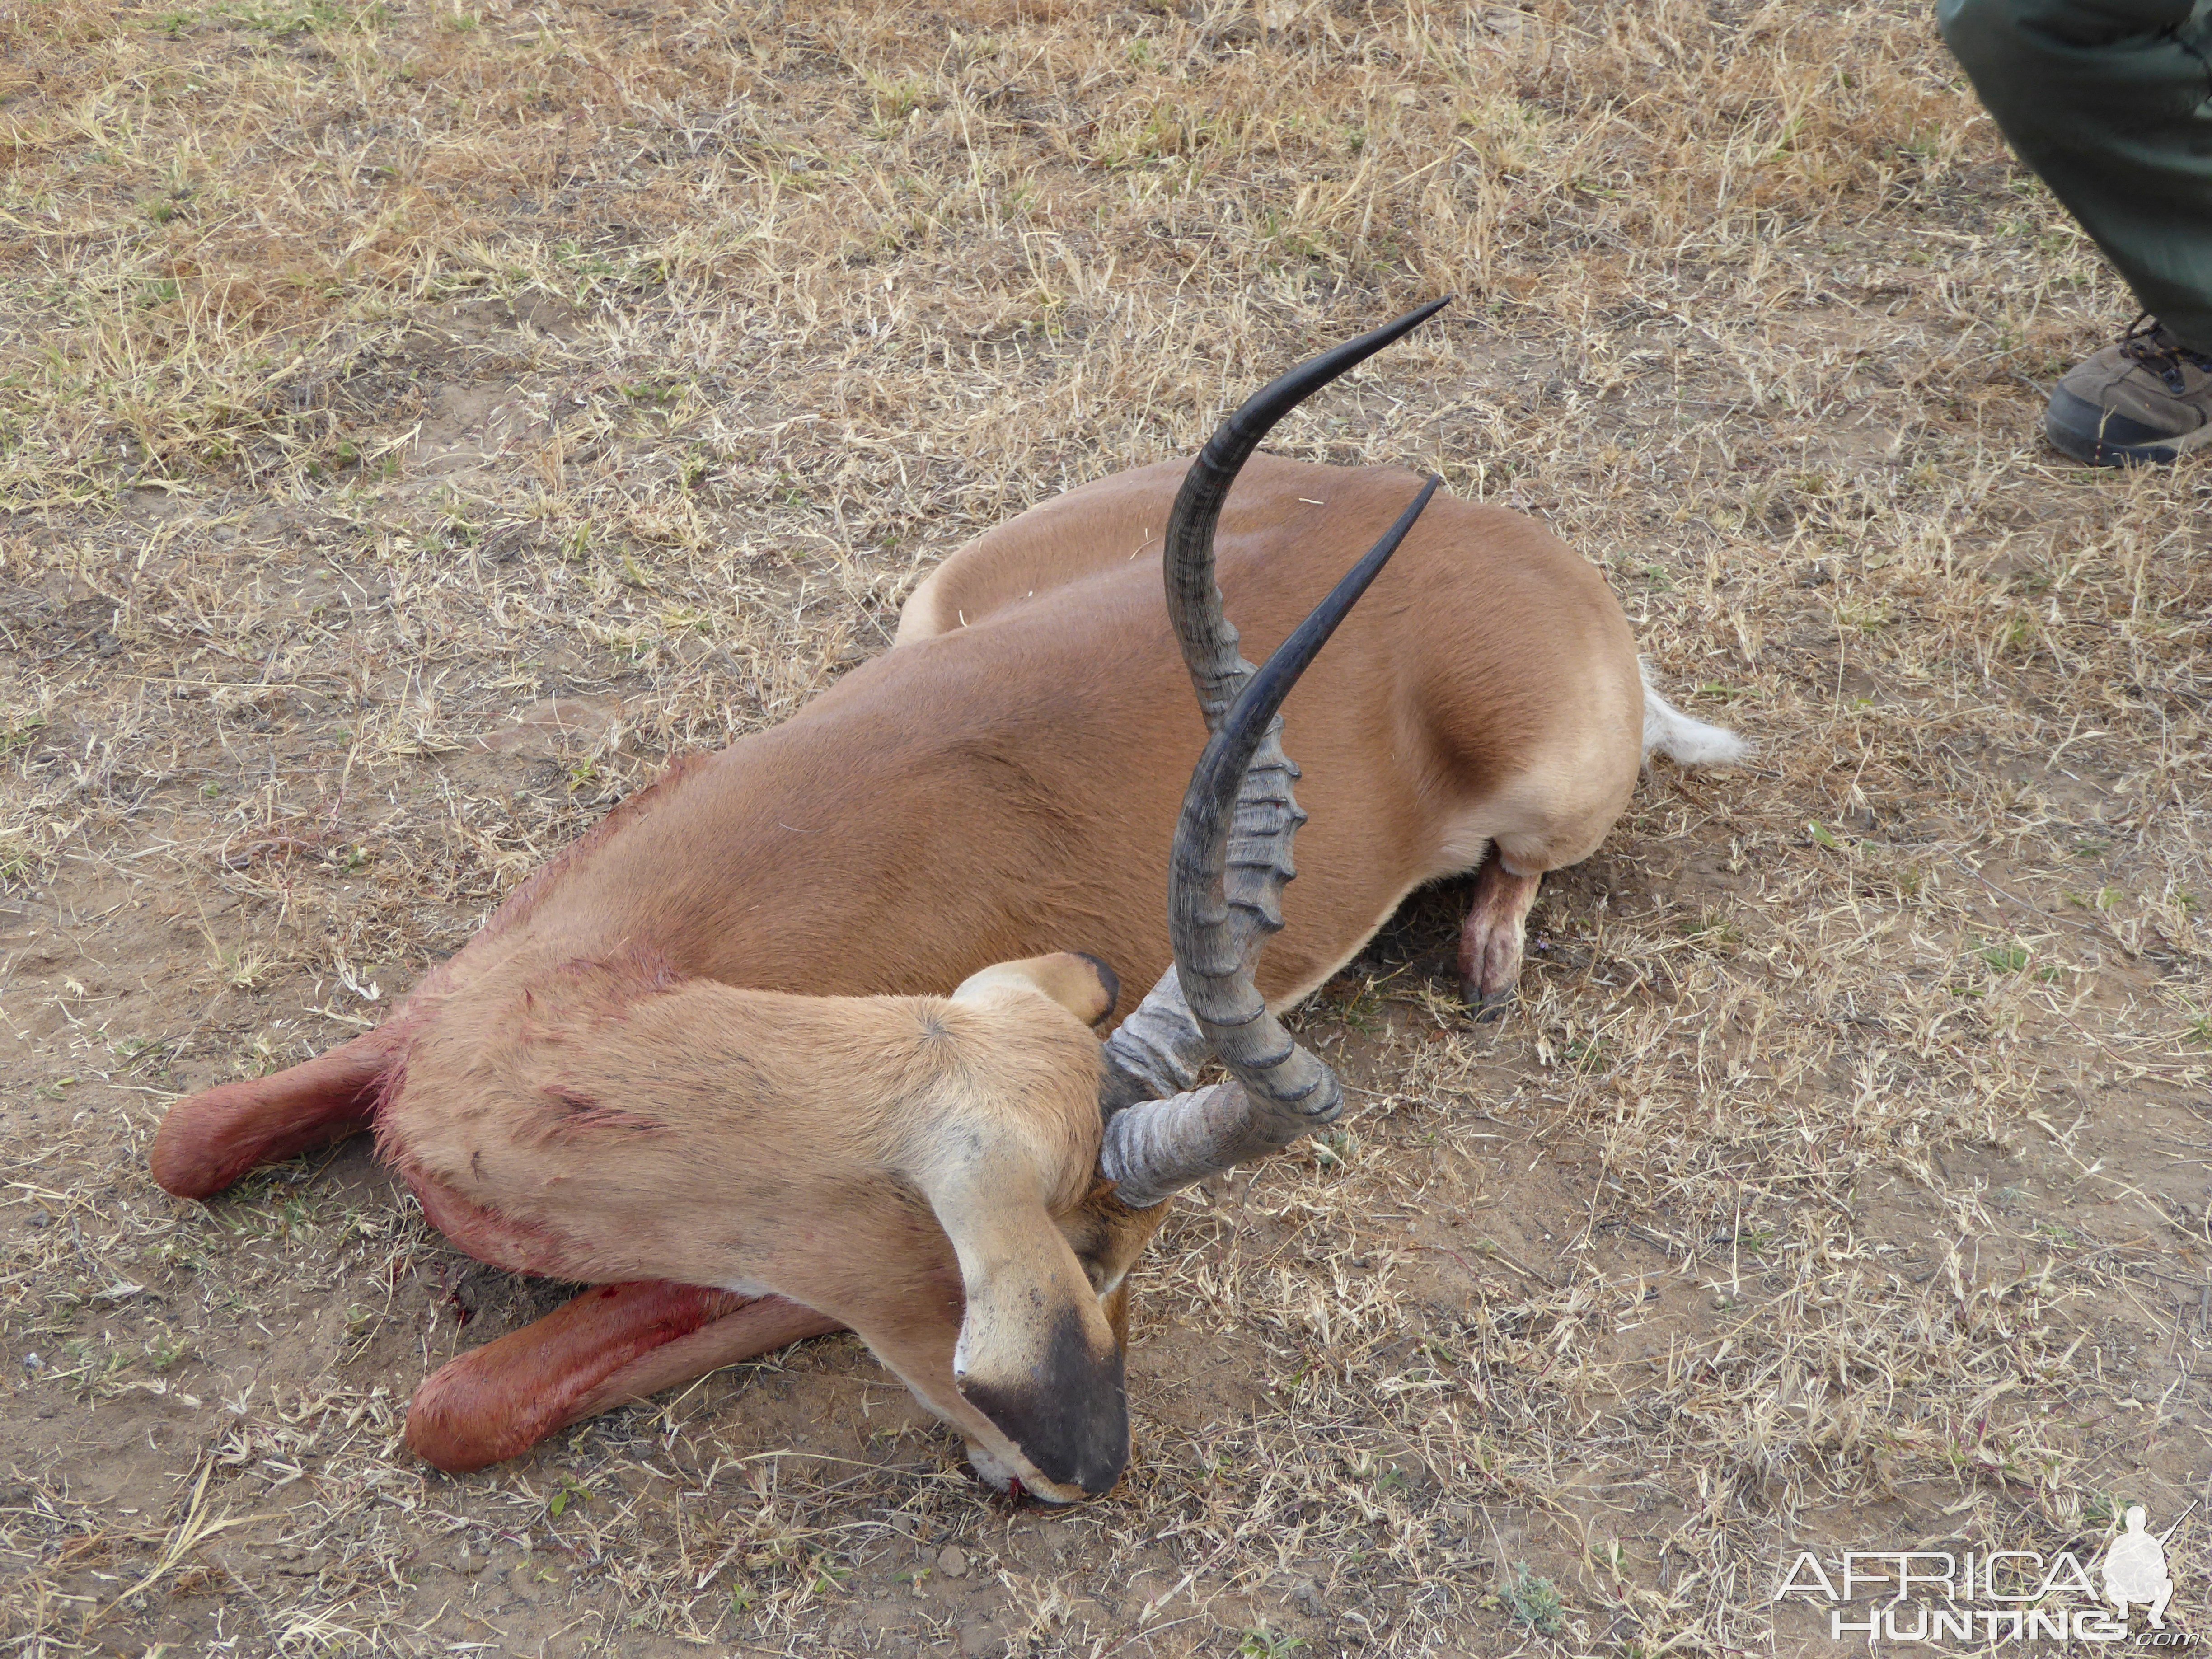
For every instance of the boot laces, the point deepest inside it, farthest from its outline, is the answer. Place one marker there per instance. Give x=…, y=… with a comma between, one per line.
x=2148, y=343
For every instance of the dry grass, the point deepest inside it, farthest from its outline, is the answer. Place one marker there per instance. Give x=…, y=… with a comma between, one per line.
x=375, y=373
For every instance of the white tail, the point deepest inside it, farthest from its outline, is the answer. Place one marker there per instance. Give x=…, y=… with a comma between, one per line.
x=1685, y=741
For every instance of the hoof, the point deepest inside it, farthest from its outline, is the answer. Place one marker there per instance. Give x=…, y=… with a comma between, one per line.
x=1488, y=1007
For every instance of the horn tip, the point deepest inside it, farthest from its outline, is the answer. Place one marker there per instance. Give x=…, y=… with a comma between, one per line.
x=1420, y=314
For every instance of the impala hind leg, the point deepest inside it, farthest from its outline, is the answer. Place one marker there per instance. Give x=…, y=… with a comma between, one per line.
x=212, y=1139
x=610, y=1345
x=1490, y=942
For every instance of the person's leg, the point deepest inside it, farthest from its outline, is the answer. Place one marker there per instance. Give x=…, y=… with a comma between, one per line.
x=2107, y=100
x=2111, y=102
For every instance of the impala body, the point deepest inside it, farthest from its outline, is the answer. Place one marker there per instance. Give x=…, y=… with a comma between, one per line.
x=704, y=1057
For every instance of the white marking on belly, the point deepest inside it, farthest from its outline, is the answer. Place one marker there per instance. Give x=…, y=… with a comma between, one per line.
x=1463, y=848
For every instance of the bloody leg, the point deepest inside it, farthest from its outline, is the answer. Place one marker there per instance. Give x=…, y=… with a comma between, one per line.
x=612, y=1345
x=211, y=1140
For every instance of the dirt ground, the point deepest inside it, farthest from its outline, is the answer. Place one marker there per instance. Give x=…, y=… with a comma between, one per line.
x=421, y=420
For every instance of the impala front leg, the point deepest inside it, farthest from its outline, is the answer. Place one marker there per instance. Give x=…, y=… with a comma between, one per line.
x=611, y=1346
x=1489, y=944
x=222, y=1135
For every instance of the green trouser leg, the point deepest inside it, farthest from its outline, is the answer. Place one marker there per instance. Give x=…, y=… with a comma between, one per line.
x=2111, y=101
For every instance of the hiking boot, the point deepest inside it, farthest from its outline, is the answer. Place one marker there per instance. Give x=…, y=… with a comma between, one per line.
x=2146, y=398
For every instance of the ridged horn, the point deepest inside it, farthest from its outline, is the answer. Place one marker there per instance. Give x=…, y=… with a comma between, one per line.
x=1226, y=873
x=1161, y=1133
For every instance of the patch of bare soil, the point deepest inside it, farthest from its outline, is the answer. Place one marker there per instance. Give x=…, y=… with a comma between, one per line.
x=424, y=420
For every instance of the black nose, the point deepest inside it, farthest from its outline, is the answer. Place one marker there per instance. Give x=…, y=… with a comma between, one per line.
x=1070, y=1417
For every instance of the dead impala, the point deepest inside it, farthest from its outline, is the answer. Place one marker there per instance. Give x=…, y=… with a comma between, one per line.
x=700, y=1060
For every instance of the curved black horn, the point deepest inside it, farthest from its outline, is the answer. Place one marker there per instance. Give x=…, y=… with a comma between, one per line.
x=1209, y=642
x=1233, y=852
x=1237, y=820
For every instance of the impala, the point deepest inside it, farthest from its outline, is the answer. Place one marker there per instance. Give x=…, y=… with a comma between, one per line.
x=702, y=1060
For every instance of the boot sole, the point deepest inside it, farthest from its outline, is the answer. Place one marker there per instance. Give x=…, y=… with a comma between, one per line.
x=2096, y=437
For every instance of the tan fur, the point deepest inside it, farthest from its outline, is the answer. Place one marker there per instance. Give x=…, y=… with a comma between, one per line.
x=646, y=1066
x=1084, y=987
x=595, y=1121
x=1485, y=691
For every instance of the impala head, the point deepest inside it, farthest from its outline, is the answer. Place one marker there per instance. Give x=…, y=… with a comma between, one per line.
x=1045, y=1244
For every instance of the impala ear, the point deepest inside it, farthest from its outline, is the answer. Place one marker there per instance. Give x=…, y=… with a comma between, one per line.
x=1083, y=985
x=1036, y=1354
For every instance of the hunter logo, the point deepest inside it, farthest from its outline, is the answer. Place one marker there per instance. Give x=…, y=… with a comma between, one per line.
x=1988, y=1597
x=2134, y=1568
